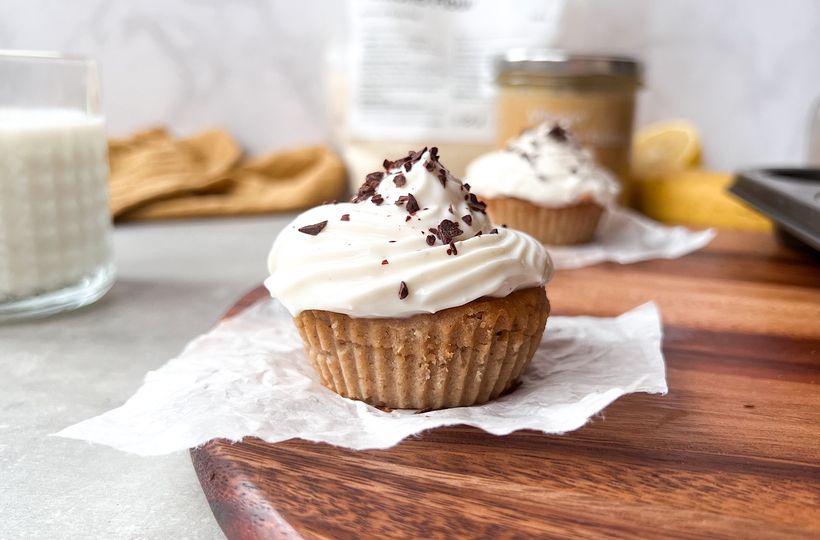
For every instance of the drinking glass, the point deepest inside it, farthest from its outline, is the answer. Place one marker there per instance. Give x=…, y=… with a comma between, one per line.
x=55, y=222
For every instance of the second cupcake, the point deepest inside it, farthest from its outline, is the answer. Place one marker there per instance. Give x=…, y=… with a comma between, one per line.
x=544, y=184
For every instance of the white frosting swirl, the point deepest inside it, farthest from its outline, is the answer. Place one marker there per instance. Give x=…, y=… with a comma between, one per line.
x=544, y=166
x=342, y=269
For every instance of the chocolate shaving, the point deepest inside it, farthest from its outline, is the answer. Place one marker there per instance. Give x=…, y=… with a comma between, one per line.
x=387, y=164
x=429, y=165
x=403, y=291
x=412, y=205
x=450, y=209
x=452, y=248
x=345, y=217
x=368, y=188
x=431, y=239
x=448, y=230
x=399, y=180
x=442, y=177
x=479, y=233
x=384, y=261
x=558, y=133
x=408, y=218
x=314, y=229
x=474, y=204
x=468, y=219
x=401, y=200
x=408, y=161
x=434, y=152
x=466, y=185
x=377, y=199
x=494, y=231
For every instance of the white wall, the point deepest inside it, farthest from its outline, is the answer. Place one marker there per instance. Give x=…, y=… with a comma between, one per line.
x=745, y=71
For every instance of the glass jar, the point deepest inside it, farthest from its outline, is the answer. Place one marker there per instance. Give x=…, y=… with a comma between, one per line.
x=55, y=223
x=592, y=96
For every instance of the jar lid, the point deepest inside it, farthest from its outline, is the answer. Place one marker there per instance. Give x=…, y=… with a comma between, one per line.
x=563, y=64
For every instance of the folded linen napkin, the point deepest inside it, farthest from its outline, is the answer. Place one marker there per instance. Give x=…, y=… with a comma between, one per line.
x=156, y=176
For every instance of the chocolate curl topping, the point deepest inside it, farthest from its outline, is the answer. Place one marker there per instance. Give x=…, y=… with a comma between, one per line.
x=399, y=180
x=403, y=291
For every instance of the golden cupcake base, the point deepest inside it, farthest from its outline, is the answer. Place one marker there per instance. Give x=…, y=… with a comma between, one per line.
x=457, y=357
x=568, y=225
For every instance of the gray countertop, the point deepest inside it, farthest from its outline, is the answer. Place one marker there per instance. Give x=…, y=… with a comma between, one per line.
x=174, y=281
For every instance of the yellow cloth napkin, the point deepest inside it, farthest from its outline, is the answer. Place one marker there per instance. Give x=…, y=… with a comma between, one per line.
x=155, y=176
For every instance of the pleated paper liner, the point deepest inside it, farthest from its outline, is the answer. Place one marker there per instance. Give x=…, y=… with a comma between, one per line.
x=568, y=225
x=457, y=357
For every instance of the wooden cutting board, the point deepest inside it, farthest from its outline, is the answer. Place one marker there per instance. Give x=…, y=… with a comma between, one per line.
x=733, y=451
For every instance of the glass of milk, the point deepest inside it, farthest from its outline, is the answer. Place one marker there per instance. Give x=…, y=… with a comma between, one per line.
x=55, y=223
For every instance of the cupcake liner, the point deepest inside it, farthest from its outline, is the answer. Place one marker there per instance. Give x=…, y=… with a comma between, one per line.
x=573, y=224
x=457, y=357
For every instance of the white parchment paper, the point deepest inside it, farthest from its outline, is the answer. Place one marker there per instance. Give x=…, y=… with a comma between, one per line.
x=249, y=376
x=626, y=237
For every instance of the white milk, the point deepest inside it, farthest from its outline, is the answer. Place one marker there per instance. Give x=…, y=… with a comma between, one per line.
x=54, y=216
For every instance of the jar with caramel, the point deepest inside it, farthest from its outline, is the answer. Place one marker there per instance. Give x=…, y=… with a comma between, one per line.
x=592, y=96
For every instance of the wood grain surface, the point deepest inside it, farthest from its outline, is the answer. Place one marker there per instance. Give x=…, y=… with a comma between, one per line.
x=733, y=451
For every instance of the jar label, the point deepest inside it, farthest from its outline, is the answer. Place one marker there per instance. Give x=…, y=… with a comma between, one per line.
x=423, y=70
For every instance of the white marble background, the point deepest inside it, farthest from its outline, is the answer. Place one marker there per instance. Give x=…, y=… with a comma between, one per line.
x=745, y=71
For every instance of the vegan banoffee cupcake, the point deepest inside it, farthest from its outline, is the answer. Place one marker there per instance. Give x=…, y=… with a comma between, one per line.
x=407, y=296
x=544, y=184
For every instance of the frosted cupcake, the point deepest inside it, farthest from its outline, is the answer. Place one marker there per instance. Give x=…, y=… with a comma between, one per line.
x=407, y=296
x=543, y=183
